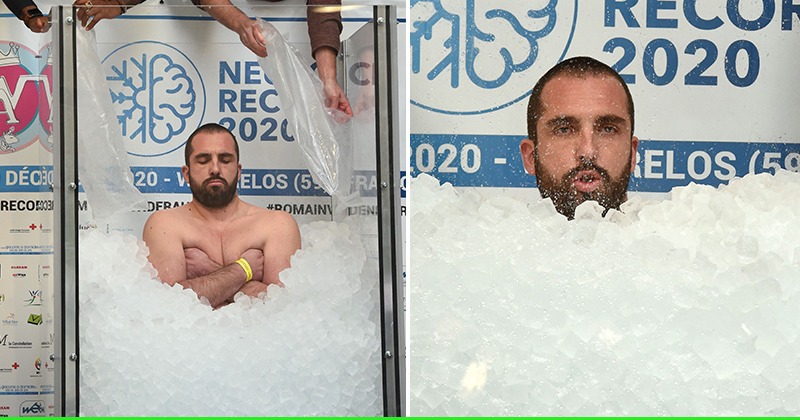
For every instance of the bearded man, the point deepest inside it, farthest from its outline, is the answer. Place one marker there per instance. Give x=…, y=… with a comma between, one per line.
x=580, y=143
x=218, y=245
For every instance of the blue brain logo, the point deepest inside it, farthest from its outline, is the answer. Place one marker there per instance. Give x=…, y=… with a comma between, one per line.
x=158, y=93
x=484, y=50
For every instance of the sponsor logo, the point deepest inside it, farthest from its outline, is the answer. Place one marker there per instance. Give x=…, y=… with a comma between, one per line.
x=49, y=342
x=15, y=344
x=37, y=364
x=31, y=408
x=35, y=298
x=491, y=50
x=10, y=320
x=35, y=319
x=19, y=267
x=25, y=97
x=159, y=95
x=19, y=275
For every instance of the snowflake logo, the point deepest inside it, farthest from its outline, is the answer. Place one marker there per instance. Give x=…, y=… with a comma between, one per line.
x=158, y=93
x=484, y=50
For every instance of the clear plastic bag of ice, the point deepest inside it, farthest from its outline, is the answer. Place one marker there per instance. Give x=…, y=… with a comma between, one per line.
x=103, y=168
x=315, y=128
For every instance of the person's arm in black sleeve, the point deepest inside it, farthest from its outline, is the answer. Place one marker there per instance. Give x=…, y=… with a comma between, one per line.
x=27, y=12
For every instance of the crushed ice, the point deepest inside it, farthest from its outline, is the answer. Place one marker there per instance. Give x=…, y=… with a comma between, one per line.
x=686, y=306
x=312, y=348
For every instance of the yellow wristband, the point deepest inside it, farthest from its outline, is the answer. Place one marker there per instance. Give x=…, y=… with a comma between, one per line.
x=246, y=267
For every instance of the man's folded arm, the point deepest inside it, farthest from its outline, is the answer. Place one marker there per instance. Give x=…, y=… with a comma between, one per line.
x=167, y=256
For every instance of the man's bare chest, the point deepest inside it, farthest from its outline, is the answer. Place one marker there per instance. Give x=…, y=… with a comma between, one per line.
x=224, y=243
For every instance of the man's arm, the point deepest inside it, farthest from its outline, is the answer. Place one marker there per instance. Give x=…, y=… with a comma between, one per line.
x=167, y=256
x=324, y=28
x=89, y=15
x=17, y=6
x=20, y=9
x=283, y=242
x=326, y=67
x=234, y=19
x=199, y=264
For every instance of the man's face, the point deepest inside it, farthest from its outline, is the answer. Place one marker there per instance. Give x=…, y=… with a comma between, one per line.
x=585, y=148
x=213, y=170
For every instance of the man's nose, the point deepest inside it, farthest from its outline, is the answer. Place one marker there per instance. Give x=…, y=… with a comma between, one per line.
x=214, y=168
x=587, y=145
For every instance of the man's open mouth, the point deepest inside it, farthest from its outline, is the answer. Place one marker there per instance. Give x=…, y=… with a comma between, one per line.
x=587, y=181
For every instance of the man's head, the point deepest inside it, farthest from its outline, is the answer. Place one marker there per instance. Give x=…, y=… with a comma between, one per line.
x=580, y=141
x=212, y=165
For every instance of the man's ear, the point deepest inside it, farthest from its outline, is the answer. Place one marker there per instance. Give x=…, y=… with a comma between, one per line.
x=185, y=172
x=634, y=146
x=526, y=151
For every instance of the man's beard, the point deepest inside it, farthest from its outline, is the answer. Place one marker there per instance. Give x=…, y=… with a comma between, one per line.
x=610, y=194
x=214, y=197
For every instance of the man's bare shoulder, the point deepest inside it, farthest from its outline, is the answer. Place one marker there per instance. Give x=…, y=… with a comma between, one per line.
x=168, y=218
x=271, y=217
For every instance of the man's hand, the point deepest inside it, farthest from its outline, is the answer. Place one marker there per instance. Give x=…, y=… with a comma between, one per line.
x=93, y=11
x=336, y=99
x=234, y=19
x=334, y=96
x=255, y=258
x=38, y=24
x=250, y=34
x=253, y=288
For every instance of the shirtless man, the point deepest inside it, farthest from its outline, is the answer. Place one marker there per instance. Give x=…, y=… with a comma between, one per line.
x=210, y=244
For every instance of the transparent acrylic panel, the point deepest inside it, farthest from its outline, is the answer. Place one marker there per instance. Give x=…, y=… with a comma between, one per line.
x=26, y=221
x=309, y=348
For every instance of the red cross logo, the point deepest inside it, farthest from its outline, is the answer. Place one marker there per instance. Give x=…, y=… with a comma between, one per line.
x=32, y=226
x=15, y=365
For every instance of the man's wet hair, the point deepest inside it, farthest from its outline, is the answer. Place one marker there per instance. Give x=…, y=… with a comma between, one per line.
x=580, y=67
x=208, y=128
